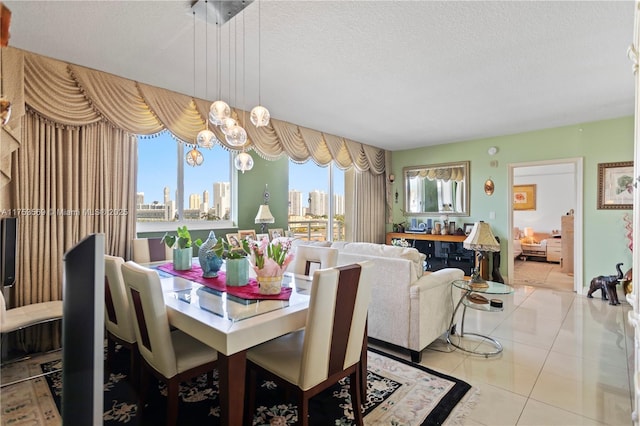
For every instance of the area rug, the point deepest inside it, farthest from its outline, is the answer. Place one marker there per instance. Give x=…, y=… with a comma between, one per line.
x=398, y=393
x=531, y=271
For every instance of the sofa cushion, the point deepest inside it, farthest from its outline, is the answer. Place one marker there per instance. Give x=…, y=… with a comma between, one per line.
x=383, y=250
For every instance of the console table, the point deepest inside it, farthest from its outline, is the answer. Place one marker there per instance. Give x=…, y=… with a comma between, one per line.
x=442, y=251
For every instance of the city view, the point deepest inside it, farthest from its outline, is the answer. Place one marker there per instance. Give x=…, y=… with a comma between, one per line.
x=156, y=198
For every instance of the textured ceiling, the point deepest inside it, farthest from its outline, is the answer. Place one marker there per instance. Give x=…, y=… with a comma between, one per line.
x=394, y=74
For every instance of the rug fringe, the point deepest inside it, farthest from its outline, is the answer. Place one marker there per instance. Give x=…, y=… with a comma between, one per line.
x=463, y=408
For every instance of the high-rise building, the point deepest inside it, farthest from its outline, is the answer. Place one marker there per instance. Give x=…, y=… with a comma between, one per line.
x=139, y=198
x=222, y=199
x=338, y=204
x=319, y=203
x=205, y=201
x=295, y=203
x=194, y=201
x=167, y=195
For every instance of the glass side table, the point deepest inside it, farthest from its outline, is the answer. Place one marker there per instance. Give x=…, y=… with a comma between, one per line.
x=491, y=288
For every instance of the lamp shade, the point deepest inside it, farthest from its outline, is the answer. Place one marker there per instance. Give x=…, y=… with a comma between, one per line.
x=264, y=215
x=481, y=238
x=528, y=232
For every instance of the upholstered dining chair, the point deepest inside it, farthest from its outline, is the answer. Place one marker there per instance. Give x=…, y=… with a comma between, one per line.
x=327, y=349
x=171, y=356
x=147, y=250
x=118, y=317
x=309, y=258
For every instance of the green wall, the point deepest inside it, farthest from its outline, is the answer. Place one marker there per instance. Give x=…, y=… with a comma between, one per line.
x=606, y=141
x=251, y=186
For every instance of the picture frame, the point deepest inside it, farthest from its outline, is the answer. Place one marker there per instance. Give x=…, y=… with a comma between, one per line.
x=276, y=233
x=615, y=185
x=234, y=240
x=524, y=197
x=259, y=237
x=247, y=234
x=468, y=227
x=452, y=227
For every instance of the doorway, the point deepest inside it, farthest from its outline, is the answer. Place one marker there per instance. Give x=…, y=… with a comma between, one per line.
x=557, y=186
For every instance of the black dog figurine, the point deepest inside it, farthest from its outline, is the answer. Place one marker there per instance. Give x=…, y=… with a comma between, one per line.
x=607, y=286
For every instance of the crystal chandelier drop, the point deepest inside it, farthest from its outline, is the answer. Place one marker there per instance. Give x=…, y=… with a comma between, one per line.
x=219, y=111
x=194, y=157
x=237, y=136
x=260, y=116
x=244, y=162
x=227, y=124
x=206, y=139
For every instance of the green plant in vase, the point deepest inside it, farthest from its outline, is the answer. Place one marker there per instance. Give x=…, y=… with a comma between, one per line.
x=237, y=264
x=182, y=246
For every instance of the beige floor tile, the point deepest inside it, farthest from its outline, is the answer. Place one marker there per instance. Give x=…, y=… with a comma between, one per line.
x=495, y=406
x=597, y=391
x=537, y=413
x=515, y=369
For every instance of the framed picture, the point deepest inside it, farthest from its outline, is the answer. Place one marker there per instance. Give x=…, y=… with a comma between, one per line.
x=452, y=227
x=247, y=234
x=468, y=227
x=524, y=197
x=276, y=233
x=615, y=185
x=233, y=240
x=261, y=236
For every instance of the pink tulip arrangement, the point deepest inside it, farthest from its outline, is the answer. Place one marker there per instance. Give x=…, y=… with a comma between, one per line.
x=270, y=259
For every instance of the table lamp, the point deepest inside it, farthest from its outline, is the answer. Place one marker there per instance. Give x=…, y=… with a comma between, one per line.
x=481, y=240
x=528, y=232
x=264, y=215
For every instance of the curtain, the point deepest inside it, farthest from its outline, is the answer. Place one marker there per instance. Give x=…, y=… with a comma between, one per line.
x=365, y=218
x=72, y=141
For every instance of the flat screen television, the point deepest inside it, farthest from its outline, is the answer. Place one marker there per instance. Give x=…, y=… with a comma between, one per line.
x=82, y=332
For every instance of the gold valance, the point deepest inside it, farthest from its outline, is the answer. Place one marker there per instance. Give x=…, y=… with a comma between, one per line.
x=72, y=95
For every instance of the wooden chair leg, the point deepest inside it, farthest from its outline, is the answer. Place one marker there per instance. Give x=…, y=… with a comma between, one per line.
x=134, y=366
x=173, y=388
x=111, y=351
x=303, y=409
x=143, y=381
x=356, y=396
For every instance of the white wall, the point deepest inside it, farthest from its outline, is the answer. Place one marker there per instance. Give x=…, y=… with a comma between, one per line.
x=555, y=195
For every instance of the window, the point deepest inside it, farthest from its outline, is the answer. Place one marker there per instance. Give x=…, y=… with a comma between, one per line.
x=170, y=191
x=316, y=201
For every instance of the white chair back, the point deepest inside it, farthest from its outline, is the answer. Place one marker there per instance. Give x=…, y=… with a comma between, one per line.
x=336, y=320
x=147, y=250
x=310, y=258
x=117, y=313
x=151, y=322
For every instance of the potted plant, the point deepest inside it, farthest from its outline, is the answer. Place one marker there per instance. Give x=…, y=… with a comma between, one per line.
x=182, y=246
x=237, y=264
x=270, y=260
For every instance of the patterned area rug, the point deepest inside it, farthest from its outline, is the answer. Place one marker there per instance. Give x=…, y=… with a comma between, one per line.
x=398, y=393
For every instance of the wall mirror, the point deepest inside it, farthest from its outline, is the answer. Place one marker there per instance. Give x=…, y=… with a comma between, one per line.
x=437, y=189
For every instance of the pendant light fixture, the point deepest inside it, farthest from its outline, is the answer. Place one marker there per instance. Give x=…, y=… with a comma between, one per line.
x=235, y=135
x=206, y=138
x=260, y=116
x=244, y=162
x=219, y=110
x=194, y=157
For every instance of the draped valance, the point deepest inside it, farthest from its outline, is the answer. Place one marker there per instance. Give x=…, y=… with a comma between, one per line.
x=72, y=95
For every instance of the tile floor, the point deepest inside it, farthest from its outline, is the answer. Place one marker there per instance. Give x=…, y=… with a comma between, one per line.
x=567, y=360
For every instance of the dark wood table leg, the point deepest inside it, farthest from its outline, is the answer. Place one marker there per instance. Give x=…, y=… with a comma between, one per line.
x=231, y=378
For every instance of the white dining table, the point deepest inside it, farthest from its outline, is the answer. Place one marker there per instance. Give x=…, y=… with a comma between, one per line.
x=231, y=326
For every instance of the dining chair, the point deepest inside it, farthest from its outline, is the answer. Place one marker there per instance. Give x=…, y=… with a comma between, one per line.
x=118, y=317
x=147, y=250
x=328, y=349
x=309, y=258
x=171, y=356
x=15, y=319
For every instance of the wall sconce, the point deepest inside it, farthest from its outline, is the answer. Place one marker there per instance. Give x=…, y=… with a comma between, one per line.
x=392, y=178
x=396, y=196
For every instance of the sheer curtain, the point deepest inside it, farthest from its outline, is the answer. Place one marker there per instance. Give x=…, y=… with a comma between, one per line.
x=366, y=214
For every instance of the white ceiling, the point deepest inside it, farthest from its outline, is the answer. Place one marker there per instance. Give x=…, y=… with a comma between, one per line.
x=393, y=74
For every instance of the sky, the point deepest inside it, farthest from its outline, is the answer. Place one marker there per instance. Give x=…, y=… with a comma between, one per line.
x=157, y=169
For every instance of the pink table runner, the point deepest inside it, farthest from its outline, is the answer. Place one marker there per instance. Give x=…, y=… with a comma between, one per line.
x=250, y=291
